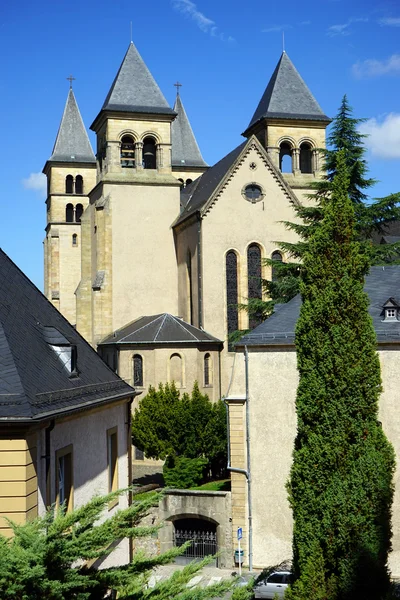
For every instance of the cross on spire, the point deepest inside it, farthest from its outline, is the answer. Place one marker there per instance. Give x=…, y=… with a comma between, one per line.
x=177, y=85
x=70, y=79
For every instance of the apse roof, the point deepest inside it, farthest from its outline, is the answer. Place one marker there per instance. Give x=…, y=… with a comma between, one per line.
x=134, y=88
x=72, y=143
x=159, y=329
x=35, y=382
x=185, y=150
x=287, y=96
x=279, y=329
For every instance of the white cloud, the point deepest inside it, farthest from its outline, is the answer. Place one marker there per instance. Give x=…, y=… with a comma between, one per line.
x=275, y=28
x=384, y=135
x=37, y=182
x=390, y=21
x=344, y=28
x=373, y=67
x=189, y=8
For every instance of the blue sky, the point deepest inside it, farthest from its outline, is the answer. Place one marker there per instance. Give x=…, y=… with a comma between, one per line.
x=223, y=52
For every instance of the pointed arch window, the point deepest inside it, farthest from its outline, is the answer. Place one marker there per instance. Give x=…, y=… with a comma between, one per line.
x=69, y=184
x=137, y=371
x=79, y=184
x=254, y=286
x=175, y=369
x=286, y=158
x=69, y=213
x=78, y=212
x=276, y=256
x=305, y=158
x=149, y=153
x=127, y=152
x=189, y=285
x=231, y=294
x=208, y=370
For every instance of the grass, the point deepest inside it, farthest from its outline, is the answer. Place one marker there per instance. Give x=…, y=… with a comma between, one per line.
x=223, y=485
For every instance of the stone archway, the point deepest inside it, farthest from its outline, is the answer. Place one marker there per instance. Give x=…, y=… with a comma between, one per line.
x=202, y=535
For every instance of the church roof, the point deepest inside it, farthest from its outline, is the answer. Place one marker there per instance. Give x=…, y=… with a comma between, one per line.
x=287, y=96
x=134, y=88
x=159, y=329
x=72, y=142
x=279, y=329
x=185, y=151
x=35, y=346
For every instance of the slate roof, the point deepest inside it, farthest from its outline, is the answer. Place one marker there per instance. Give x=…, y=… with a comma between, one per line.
x=159, y=329
x=279, y=329
x=287, y=96
x=185, y=150
x=134, y=88
x=196, y=194
x=72, y=143
x=34, y=384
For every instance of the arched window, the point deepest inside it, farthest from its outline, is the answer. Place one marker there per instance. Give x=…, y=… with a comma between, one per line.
x=285, y=158
x=277, y=256
x=79, y=184
x=74, y=239
x=189, y=285
x=305, y=158
x=231, y=294
x=69, y=213
x=69, y=184
x=188, y=181
x=175, y=369
x=127, y=152
x=254, y=288
x=149, y=153
x=137, y=371
x=208, y=370
x=78, y=212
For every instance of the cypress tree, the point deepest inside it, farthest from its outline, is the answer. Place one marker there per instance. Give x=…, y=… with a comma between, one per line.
x=340, y=485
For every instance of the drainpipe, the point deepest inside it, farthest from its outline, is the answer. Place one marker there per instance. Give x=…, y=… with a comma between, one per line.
x=47, y=456
x=245, y=472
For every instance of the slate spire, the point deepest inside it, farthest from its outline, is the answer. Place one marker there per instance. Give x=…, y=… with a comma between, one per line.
x=287, y=96
x=72, y=143
x=134, y=88
x=185, y=150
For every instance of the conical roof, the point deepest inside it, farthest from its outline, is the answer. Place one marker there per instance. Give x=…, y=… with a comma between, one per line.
x=287, y=96
x=72, y=142
x=134, y=88
x=185, y=150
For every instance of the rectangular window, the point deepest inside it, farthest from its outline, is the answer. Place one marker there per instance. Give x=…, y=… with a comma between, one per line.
x=112, y=461
x=64, y=478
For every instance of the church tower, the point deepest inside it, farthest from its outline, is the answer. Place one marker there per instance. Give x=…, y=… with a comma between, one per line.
x=128, y=255
x=291, y=126
x=71, y=173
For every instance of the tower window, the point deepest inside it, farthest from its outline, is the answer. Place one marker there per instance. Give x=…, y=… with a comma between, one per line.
x=78, y=212
x=79, y=184
x=285, y=158
x=189, y=181
x=149, y=153
x=305, y=158
x=231, y=294
x=207, y=370
x=69, y=184
x=254, y=288
x=69, y=213
x=74, y=239
x=127, y=152
x=137, y=371
x=277, y=257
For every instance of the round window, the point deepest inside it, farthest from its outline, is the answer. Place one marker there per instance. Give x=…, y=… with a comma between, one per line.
x=253, y=193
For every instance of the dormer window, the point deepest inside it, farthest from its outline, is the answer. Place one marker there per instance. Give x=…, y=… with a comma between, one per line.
x=391, y=310
x=66, y=352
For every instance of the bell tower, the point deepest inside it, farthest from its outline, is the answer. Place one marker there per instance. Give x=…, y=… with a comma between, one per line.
x=129, y=265
x=71, y=174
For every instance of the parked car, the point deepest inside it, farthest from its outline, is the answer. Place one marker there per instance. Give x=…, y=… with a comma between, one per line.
x=274, y=583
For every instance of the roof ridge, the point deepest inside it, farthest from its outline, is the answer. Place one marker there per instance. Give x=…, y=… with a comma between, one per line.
x=165, y=315
x=143, y=326
x=185, y=328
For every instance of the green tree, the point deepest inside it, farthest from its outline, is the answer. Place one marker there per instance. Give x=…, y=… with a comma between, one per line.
x=49, y=558
x=171, y=427
x=370, y=217
x=341, y=478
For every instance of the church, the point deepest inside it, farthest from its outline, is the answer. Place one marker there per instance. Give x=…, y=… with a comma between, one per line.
x=148, y=250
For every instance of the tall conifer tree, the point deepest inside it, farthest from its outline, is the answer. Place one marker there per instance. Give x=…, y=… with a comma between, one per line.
x=341, y=479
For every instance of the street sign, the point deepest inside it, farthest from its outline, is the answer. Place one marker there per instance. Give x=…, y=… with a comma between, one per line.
x=239, y=533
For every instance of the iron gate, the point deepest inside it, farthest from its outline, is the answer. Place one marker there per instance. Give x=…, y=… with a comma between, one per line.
x=203, y=543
